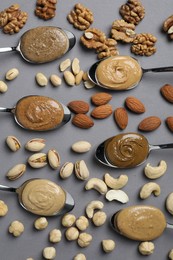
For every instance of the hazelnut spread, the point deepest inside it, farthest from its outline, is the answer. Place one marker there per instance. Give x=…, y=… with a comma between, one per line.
x=39, y=113
x=44, y=44
x=118, y=72
x=126, y=150
x=140, y=222
x=42, y=197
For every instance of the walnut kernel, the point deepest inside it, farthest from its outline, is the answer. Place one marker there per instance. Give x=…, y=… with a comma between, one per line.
x=144, y=44
x=3, y=208
x=123, y=31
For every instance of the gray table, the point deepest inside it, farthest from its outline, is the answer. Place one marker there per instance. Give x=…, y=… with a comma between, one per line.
x=32, y=242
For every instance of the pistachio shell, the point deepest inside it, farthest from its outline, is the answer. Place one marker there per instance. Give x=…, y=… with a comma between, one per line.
x=53, y=158
x=81, y=170
x=13, y=143
x=37, y=160
x=35, y=145
x=66, y=170
x=81, y=147
x=16, y=172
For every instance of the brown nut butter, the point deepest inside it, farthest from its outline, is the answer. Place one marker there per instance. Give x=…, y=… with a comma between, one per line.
x=140, y=222
x=119, y=72
x=42, y=197
x=44, y=44
x=39, y=113
x=126, y=150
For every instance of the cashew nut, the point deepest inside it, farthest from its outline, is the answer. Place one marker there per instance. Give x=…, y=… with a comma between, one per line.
x=155, y=172
x=169, y=203
x=118, y=195
x=148, y=188
x=94, y=204
x=115, y=183
x=97, y=184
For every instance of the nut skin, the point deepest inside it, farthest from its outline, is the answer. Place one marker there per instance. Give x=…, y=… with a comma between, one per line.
x=121, y=117
x=78, y=107
x=101, y=98
x=149, y=124
x=134, y=105
x=102, y=111
x=167, y=92
x=82, y=121
x=169, y=123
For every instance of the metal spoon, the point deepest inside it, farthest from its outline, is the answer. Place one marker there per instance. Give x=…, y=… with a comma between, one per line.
x=66, y=118
x=132, y=154
x=93, y=77
x=68, y=206
x=71, y=37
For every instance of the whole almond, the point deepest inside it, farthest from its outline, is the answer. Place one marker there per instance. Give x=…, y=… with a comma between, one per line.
x=135, y=105
x=121, y=117
x=150, y=123
x=78, y=106
x=82, y=121
x=167, y=92
x=169, y=122
x=102, y=111
x=101, y=98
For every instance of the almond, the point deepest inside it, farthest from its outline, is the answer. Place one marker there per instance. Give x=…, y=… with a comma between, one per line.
x=167, y=92
x=169, y=122
x=101, y=98
x=121, y=117
x=78, y=106
x=150, y=123
x=135, y=105
x=82, y=121
x=101, y=112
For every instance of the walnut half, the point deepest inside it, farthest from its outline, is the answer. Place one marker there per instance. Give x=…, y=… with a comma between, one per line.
x=123, y=31
x=168, y=26
x=144, y=44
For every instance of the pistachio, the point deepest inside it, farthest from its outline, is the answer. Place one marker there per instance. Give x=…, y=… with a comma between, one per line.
x=65, y=64
x=55, y=80
x=3, y=86
x=35, y=145
x=12, y=74
x=37, y=160
x=81, y=170
x=13, y=143
x=81, y=147
x=16, y=172
x=41, y=79
x=66, y=170
x=53, y=158
x=75, y=66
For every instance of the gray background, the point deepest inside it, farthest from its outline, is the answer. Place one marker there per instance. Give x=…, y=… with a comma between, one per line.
x=31, y=243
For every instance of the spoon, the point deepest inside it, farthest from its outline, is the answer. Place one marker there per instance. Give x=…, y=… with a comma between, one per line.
x=93, y=76
x=68, y=205
x=38, y=41
x=126, y=150
x=37, y=107
x=135, y=222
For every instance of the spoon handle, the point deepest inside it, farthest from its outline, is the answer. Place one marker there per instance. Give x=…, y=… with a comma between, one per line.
x=5, y=188
x=161, y=69
x=3, y=109
x=7, y=49
x=161, y=146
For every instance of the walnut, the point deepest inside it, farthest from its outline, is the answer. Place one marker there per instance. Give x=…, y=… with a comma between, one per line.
x=81, y=17
x=132, y=11
x=123, y=31
x=93, y=38
x=45, y=9
x=168, y=26
x=12, y=19
x=143, y=44
x=107, y=49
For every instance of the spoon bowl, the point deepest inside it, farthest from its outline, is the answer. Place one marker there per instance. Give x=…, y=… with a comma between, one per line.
x=36, y=196
x=44, y=46
x=92, y=74
x=126, y=150
x=47, y=113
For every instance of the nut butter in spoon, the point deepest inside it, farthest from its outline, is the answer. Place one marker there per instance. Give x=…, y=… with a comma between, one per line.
x=43, y=44
x=39, y=113
x=139, y=222
x=43, y=197
x=126, y=150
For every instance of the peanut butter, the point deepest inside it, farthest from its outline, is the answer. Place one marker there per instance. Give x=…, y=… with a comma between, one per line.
x=141, y=222
x=44, y=44
x=126, y=150
x=118, y=72
x=39, y=113
x=42, y=197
